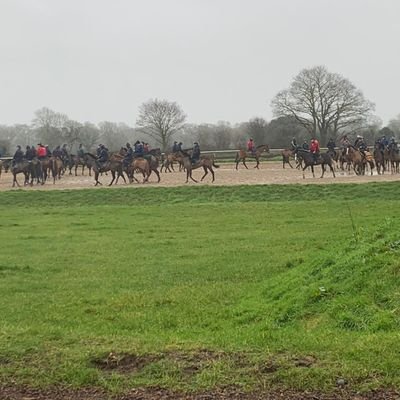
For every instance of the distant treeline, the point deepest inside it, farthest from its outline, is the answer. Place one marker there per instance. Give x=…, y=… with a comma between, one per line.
x=53, y=128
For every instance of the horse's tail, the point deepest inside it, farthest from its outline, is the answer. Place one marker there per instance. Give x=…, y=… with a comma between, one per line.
x=237, y=156
x=215, y=165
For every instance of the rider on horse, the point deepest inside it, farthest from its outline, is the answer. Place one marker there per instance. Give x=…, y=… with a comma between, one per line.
x=251, y=146
x=195, y=153
x=103, y=157
x=314, y=149
x=18, y=156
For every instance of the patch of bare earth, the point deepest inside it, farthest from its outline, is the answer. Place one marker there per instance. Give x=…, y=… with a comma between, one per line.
x=25, y=393
x=190, y=362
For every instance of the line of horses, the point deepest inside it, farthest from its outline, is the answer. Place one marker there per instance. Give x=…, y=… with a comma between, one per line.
x=346, y=159
x=40, y=170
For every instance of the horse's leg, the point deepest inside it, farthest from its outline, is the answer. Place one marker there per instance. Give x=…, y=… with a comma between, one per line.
x=290, y=165
x=158, y=175
x=323, y=170
x=244, y=163
x=333, y=170
x=122, y=175
x=189, y=175
x=258, y=162
x=312, y=169
x=205, y=173
x=212, y=173
x=113, y=177
x=237, y=163
x=305, y=166
x=96, y=178
x=15, y=180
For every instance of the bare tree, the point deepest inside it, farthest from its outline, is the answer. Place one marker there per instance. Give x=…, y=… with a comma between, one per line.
x=323, y=102
x=160, y=119
x=49, y=126
x=394, y=125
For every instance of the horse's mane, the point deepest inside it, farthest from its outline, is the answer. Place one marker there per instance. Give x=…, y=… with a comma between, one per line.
x=91, y=155
x=261, y=145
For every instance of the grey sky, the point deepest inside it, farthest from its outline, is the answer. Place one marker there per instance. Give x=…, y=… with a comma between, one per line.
x=99, y=60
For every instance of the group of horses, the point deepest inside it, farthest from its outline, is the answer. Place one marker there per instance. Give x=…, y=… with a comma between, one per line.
x=346, y=159
x=38, y=170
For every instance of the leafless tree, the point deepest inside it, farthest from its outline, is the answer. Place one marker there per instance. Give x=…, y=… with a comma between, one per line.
x=160, y=119
x=394, y=125
x=324, y=103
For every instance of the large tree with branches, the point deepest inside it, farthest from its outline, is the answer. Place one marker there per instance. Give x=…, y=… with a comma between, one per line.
x=324, y=103
x=161, y=119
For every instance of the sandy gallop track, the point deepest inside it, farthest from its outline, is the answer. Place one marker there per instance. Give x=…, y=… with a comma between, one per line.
x=269, y=173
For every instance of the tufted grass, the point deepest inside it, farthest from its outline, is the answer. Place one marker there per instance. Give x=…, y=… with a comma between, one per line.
x=199, y=287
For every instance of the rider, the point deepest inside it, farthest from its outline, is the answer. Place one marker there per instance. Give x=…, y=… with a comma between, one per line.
x=393, y=145
x=293, y=144
x=18, y=155
x=175, y=147
x=305, y=145
x=314, y=148
x=103, y=157
x=331, y=146
x=29, y=154
x=138, y=149
x=250, y=146
x=179, y=148
x=48, y=151
x=81, y=151
x=64, y=153
x=195, y=153
x=128, y=156
x=41, y=151
x=146, y=148
x=57, y=152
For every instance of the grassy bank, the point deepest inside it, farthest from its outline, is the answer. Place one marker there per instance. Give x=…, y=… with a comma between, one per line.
x=198, y=287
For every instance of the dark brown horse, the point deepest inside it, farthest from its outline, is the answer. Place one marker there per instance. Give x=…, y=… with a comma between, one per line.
x=394, y=158
x=32, y=171
x=114, y=165
x=207, y=162
x=379, y=158
x=308, y=159
x=241, y=155
x=56, y=168
x=76, y=162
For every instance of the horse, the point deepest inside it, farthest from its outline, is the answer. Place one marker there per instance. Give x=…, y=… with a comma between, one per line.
x=394, y=158
x=114, y=165
x=56, y=168
x=168, y=162
x=76, y=161
x=139, y=164
x=286, y=154
x=207, y=162
x=24, y=167
x=379, y=159
x=323, y=159
x=241, y=155
x=360, y=160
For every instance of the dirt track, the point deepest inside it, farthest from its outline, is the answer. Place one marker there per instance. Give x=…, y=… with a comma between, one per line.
x=269, y=173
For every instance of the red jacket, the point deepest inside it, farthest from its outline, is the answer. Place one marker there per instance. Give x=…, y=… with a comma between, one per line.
x=250, y=145
x=41, y=151
x=314, y=148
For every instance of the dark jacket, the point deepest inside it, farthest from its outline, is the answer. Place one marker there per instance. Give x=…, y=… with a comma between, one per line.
x=18, y=156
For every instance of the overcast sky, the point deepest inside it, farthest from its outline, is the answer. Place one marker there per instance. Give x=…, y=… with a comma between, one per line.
x=97, y=60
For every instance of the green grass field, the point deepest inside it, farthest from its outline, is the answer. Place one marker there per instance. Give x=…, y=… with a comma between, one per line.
x=193, y=288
